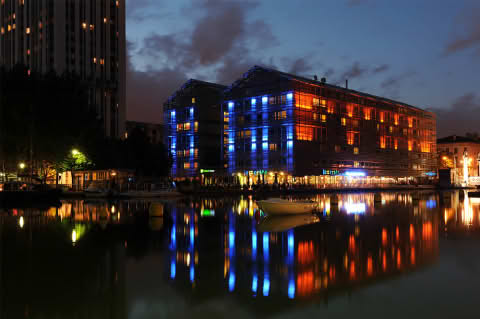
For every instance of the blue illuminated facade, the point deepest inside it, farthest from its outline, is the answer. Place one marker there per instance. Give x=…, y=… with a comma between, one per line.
x=192, y=120
x=282, y=128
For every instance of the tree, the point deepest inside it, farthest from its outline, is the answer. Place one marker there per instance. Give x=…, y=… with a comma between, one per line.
x=43, y=117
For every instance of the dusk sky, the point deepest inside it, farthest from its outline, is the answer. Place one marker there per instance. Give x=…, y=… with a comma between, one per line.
x=421, y=52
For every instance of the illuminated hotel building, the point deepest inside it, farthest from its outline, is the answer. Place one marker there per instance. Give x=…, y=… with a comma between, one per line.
x=85, y=37
x=193, y=129
x=285, y=128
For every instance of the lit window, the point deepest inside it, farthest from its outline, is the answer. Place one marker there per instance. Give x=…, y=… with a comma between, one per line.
x=395, y=117
x=304, y=133
x=410, y=145
x=390, y=129
x=395, y=144
x=27, y=31
x=350, y=110
x=344, y=121
x=367, y=113
x=324, y=118
x=303, y=101
x=193, y=100
x=356, y=164
x=382, y=142
x=196, y=126
x=186, y=165
x=350, y=138
x=355, y=150
x=316, y=102
x=186, y=126
x=410, y=122
x=195, y=165
x=382, y=117
x=84, y=25
x=273, y=147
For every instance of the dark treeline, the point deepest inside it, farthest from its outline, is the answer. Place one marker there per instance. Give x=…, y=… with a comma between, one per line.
x=44, y=117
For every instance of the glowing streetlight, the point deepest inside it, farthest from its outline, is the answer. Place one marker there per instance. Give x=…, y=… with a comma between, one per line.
x=74, y=237
x=22, y=165
x=21, y=222
x=75, y=152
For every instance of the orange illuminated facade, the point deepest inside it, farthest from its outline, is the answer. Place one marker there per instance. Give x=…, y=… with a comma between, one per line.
x=325, y=128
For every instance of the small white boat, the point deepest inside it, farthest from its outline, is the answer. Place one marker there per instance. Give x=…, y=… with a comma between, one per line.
x=278, y=206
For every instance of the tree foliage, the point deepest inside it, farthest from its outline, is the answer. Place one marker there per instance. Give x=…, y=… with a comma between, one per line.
x=44, y=117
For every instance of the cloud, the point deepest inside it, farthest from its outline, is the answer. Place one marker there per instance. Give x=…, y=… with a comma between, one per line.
x=469, y=36
x=381, y=68
x=460, y=117
x=137, y=10
x=393, y=81
x=220, y=46
x=147, y=90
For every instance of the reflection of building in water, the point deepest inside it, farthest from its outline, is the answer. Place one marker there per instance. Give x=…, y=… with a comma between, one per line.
x=55, y=279
x=461, y=212
x=341, y=252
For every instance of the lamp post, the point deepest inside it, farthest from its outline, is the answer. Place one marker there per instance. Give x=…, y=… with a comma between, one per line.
x=75, y=152
x=21, y=166
x=478, y=160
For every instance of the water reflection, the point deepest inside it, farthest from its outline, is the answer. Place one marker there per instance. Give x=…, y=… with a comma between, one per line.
x=355, y=241
x=461, y=214
x=81, y=259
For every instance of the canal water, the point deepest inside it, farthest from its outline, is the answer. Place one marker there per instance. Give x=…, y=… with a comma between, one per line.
x=367, y=255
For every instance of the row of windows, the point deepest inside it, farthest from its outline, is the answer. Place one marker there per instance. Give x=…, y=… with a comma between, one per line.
x=187, y=127
x=187, y=153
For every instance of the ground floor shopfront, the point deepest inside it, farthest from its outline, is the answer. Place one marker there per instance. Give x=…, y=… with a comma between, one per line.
x=330, y=179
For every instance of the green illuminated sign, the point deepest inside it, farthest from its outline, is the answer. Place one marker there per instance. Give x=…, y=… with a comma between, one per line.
x=207, y=212
x=207, y=171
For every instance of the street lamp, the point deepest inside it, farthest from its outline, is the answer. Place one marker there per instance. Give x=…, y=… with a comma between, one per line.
x=21, y=165
x=75, y=152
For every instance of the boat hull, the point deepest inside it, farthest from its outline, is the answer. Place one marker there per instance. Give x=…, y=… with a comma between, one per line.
x=285, y=207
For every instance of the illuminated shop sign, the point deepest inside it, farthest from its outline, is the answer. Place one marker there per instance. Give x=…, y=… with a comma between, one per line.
x=355, y=173
x=207, y=171
x=207, y=212
x=332, y=172
x=261, y=172
x=430, y=174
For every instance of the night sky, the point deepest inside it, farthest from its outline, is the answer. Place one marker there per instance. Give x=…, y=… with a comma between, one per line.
x=421, y=52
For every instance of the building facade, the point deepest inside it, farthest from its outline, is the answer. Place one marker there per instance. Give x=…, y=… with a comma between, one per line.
x=153, y=131
x=193, y=125
x=84, y=37
x=451, y=151
x=283, y=128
